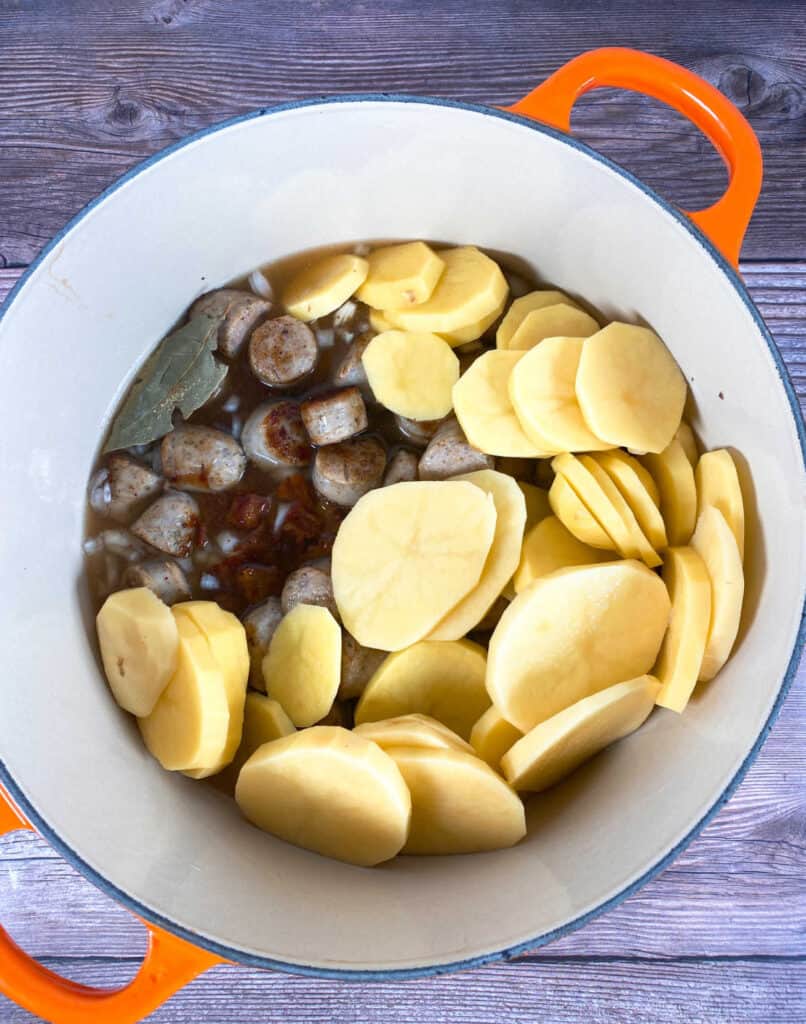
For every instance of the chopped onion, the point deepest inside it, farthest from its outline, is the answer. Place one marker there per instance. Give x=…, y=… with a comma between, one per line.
x=93, y=546
x=228, y=541
x=326, y=337
x=282, y=512
x=207, y=581
x=232, y=404
x=261, y=285
x=344, y=313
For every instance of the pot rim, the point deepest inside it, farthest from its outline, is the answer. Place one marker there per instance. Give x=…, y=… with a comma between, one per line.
x=232, y=954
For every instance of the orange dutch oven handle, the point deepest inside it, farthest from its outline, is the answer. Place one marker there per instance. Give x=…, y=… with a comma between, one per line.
x=718, y=119
x=169, y=964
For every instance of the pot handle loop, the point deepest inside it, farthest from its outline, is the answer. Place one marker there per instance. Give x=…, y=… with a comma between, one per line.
x=169, y=964
x=718, y=119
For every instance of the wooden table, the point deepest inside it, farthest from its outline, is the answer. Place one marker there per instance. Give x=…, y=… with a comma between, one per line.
x=87, y=89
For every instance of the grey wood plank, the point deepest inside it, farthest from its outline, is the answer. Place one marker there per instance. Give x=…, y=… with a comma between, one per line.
x=87, y=90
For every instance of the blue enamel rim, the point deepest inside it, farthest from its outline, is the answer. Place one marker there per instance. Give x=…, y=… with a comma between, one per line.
x=248, y=959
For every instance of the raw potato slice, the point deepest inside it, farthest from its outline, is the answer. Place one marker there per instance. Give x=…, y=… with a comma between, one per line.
x=444, y=680
x=577, y=517
x=323, y=287
x=405, y=555
x=471, y=287
x=541, y=389
x=139, y=645
x=189, y=725
x=412, y=731
x=552, y=322
x=458, y=803
x=716, y=544
x=525, y=304
x=263, y=722
x=572, y=634
x=591, y=493
x=537, y=503
x=328, y=790
x=548, y=546
x=492, y=736
x=484, y=410
x=638, y=542
x=378, y=321
x=302, y=668
x=674, y=476
x=412, y=374
x=630, y=477
x=474, y=330
x=718, y=484
x=554, y=748
x=685, y=435
x=681, y=655
x=630, y=388
x=502, y=560
x=400, y=276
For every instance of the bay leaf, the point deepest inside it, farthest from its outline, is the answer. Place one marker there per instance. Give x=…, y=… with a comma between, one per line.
x=181, y=374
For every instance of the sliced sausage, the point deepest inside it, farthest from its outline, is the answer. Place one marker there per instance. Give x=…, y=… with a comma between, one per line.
x=169, y=524
x=274, y=435
x=351, y=369
x=160, y=575
x=260, y=625
x=402, y=467
x=358, y=666
x=123, y=487
x=344, y=472
x=242, y=311
x=283, y=352
x=450, y=453
x=309, y=585
x=418, y=431
x=202, y=458
x=334, y=417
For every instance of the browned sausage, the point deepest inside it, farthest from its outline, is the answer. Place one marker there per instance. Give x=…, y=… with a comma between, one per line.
x=418, y=431
x=358, y=666
x=402, y=467
x=242, y=311
x=450, y=453
x=199, y=458
x=283, y=352
x=122, y=487
x=169, y=524
x=308, y=585
x=260, y=624
x=351, y=369
x=344, y=472
x=274, y=435
x=335, y=416
x=160, y=575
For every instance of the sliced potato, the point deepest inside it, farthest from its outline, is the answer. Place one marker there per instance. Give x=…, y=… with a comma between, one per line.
x=541, y=389
x=638, y=541
x=552, y=322
x=323, y=287
x=484, y=410
x=458, y=803
x=681, y=654
x=263, y=721
x=537, y=503
x=139, y=647
x=674, y=476
x=502, y=560
x=633, y=481
x=328, y=790
x=444, y=680
x=412, y=374
x=189, y=725
x=405, y=555
x=718, y=484
x=549, y=546
x=573, y=633
x=685, y=435
x=302, y=667
x=492, y=736
x=412, y=731
x=554, y=748
x=524, y=305
x=378, y=322
x=474, y=330
x=716, y=544
x=597, y=500
x=630, y=388
x=400, y=276
x=576, y=517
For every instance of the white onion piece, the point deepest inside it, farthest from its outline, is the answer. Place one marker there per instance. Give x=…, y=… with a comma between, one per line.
x=261, y=285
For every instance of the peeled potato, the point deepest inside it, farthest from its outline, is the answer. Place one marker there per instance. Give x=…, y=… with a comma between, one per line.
x=328, y=790
x=639, y=545
x=718, y=484
x=405, y=555
x=139, y=644
x=400, y=276
x=681, y=654
x=492, y=736
x=591, y=493
x=576, y=517
x=524, y=305
x=716, y=544
x=552, y=322
x=475, y=329
x=189, y=725
x=323, y=287
x=630, y=388
x=412, y=731
x=633, y=481
x=674, y=476
x=541, y=388
x=302, y=667
x=263, y=722
x=484, y=409
x=502, y=560
x=537, y=503
x=412, y=374
x=573, y=633
x=378, y=321
x=444, y=680
x=548, y=546
x=685, y=435
x=458, y=803
x=470, y=288
x=554, y=748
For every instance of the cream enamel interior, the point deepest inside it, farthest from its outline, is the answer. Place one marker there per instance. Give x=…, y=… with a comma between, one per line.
x=69, y=344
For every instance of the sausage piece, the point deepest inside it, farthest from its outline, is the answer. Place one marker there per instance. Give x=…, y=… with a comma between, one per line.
x=334, y=417
x=282, y=352
x=169, y=524
x=309, y=585
x=274, y=435
x=242, y=311
x=344, y=472
x=202, y=458
x=402, y=467
x=418, y=431
x=450, y=453
x=162, y=576
x=358, y=666
x=260, y=625
x=123, y=487
x=351, y=369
